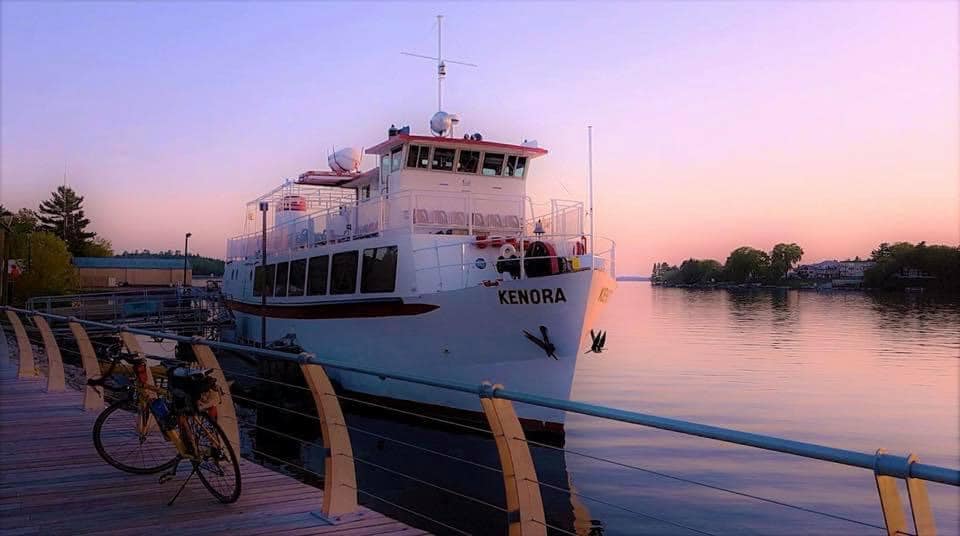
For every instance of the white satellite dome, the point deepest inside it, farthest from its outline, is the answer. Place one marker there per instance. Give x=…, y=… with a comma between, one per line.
x=346, y=160
x=442, y=122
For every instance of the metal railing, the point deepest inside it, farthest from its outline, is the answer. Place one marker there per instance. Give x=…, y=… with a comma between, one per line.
x=524, y=509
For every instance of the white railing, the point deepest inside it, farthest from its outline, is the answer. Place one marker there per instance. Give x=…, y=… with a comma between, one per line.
x=450, y=266
x=426, y=212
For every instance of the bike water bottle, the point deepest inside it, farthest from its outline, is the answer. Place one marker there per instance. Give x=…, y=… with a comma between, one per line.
x=161, y=412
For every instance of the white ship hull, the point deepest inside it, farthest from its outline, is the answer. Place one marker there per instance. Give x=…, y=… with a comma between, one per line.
x=469, y=335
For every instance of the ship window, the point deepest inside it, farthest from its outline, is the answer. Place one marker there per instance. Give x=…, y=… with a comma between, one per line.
x=384, y=167
x=468, y=161
x=282, y=272
x=516, y=165
x=343, y=273
x=317, y=275
x=257, y=281
x=418, y=156
x=492, y=164
x=396, y=158
x=379, y=270
x=268, y=279
x=443, y=159
x=298, y=272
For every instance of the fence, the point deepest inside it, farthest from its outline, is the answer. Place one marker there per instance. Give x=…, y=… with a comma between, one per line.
x=523, y=508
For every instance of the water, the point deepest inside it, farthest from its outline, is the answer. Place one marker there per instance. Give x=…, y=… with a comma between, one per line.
x=848, y=370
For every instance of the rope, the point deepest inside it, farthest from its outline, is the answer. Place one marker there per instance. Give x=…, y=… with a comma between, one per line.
x=710, y=486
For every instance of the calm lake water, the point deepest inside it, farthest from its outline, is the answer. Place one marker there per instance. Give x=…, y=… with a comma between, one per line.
x=844, y=369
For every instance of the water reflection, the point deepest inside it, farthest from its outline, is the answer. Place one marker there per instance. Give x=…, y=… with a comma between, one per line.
x=847, y=369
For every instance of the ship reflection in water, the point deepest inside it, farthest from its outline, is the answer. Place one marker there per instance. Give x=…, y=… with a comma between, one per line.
x=807, y=366
x=455, y=472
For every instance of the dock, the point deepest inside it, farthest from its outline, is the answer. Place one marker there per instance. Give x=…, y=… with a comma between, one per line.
x=53, y=482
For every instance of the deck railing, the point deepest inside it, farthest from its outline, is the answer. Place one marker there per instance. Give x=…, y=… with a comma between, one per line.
x=421, y=211
x=524, y=507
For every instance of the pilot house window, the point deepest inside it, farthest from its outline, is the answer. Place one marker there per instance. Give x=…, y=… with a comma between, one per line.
x=379, y=270
x=516, y=165
x=443, y=159
x=418, y=156
x=396, y=157
x=468, y=162
x=343, y=273
x=492, y=164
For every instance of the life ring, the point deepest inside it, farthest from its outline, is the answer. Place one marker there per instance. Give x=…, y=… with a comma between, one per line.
x=507, y=251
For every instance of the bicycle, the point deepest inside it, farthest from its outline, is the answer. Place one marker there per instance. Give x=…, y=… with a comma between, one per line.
x=182, y=416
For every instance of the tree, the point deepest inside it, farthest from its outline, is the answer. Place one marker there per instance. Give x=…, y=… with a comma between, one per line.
x=50, y=269
x=699, y=272
x=782, y=258
x=746, y=264
x=63, y=216
x=98, y=247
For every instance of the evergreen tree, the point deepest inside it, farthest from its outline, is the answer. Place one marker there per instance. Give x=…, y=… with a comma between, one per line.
x=62, y=215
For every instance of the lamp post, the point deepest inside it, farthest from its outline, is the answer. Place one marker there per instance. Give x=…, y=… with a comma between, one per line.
x=186, y=241
x=263, y=270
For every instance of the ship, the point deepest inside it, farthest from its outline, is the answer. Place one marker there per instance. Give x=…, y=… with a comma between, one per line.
x=432, y=262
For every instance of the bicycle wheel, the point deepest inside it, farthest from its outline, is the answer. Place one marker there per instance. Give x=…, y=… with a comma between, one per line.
x=219, y=467
x=119, y=443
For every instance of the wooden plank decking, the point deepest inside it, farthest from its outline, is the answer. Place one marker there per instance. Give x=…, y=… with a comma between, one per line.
x=53, y=482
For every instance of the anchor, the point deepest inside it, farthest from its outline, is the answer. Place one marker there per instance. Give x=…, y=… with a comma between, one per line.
x=599, y=340
x=543, y=343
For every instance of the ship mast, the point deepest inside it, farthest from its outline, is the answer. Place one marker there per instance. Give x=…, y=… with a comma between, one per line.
x=441, y=63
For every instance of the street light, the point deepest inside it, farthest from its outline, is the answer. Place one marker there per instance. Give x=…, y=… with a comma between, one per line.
x=264, y=207
x=186, y=240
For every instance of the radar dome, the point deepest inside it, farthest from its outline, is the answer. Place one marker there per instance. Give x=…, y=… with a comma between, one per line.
x=346, y=160
x=442, y=122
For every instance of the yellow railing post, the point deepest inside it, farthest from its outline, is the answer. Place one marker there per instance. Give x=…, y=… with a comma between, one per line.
x=340, y=476
x=27, y=368
x=226, y=412
x=888, y=469
x=55, y=377
x=92, y=398
x=524, y=504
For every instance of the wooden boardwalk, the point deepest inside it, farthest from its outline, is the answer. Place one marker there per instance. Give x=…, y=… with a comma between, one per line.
x=53, y=482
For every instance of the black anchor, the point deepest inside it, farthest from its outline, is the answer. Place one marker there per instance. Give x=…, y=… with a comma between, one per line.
x=543, y=343
x=599, y=340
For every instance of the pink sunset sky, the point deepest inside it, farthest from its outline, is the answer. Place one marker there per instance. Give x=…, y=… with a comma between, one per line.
x=716, y=125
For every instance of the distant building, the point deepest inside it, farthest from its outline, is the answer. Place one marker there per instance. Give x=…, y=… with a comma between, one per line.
x=99, y=272
x=843, y=270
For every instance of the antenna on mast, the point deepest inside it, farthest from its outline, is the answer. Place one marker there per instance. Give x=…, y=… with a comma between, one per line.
x=441, y=62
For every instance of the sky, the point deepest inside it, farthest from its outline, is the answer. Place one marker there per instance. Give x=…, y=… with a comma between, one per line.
x=835, y=125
